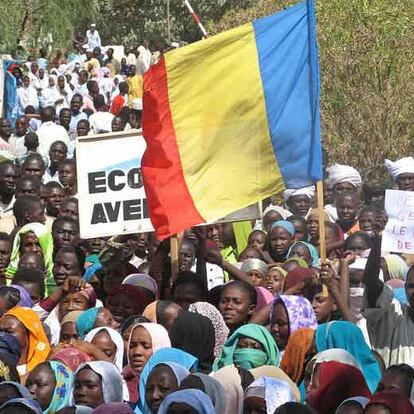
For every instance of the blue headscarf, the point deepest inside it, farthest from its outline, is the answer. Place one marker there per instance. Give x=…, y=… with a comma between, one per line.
x=91, y=270
x=196, y=399
x=162, y=356
x=312, y=251
x=62, y=393
x=86, y=321
x=284, y=224
x=347, y=336
x=20, y=388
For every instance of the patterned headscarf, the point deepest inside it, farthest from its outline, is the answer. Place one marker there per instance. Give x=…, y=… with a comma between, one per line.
x=61, y=395
x=71, y=357
x=220, y=328
x=299, y=310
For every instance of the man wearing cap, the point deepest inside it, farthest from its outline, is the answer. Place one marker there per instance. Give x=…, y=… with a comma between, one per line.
x=92, y=37
x=343, y=179
x=402, y=172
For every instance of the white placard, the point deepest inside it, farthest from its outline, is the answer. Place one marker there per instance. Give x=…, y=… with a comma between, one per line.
x=111, y=193
x=398, y=235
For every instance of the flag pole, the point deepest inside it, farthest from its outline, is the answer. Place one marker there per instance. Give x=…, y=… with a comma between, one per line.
x=196, y=18
x=321, y=219
x=175, y=245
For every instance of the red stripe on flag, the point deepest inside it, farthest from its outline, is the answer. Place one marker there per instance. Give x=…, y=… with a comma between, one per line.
x=171, y=207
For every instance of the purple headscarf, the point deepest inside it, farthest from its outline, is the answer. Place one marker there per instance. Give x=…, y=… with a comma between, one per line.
x=299, y=310
x=25, y=299
x=113, y=408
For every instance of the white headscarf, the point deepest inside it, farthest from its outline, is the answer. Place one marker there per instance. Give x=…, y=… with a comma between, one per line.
x=401, y=166
x=116, y=339
x=307, y=191
x=111, y=379
x=338, y=173
x=274, y=391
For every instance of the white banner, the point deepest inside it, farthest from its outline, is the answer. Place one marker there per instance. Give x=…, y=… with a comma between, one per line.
x=398, y=235
x=111, y=193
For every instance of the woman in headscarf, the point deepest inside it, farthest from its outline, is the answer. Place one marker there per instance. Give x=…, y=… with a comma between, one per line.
x=10, y=348
x=299, y=281
x=256, y=270
x=265, y=395
x=64, y=92
x=298, y=351
x=346, y=335
x=353, y=405
x=50, y=384
x=163, y=379
x=186, y=400
x=163, y=312
x=34, y=238
x=333, y=382
x=12, y=389
x=68, y=331
x=25, y=325
x=230, y=379
x=275, y=279
x=221, y=331
x=194, y=333
x=389, y=402
x=280, y=239
x=144, y=281
x=96, y=383
x=163, y=355
x=50, y=94
x=251, y=346
x=94, y=318
x=126, y=300
x=306, y=251
x=290, y=313
x=144, y=340
x=210, y=386
x=110, y=342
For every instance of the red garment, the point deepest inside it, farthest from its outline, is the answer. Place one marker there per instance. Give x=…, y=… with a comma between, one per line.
x=132, y=381
x=337, y=382
x=137, y=294
x=71, y=357
x=117, y=104
x=394, y=401
x=299, y=274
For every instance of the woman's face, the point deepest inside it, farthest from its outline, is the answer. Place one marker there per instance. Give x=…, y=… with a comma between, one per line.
x=41, y=383
x=71, y=302
x=248, y=343
x=13, y=326
x=257, y=240
x=300, y=250
x=312, y=375
x=279, y=325
x=121, y=307
x=323, y=306
x=256, y=277
x=274, y=281
x=280, y=241
x=103, y=341
x=358, y=245
x=235, y=306
x=51, y=82
x=105, y=318
x=68, y=333
x=88, y=388
x=29, y=243
x=161, y=382
x=61, y=82
x=313, y=226
x=140, y=348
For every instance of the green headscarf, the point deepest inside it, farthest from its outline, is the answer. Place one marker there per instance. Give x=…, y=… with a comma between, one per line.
x=249, y=358
x=46, y=244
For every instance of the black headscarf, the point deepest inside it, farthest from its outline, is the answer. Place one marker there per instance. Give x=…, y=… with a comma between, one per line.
x=194, y=333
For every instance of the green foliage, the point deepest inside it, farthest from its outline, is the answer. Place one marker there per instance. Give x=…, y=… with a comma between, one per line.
x=367, y=92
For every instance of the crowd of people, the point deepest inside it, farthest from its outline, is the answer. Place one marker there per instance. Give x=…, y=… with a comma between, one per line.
x=252, y=323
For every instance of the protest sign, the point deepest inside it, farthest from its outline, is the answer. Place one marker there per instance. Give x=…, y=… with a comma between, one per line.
x=111, y=193
x=398, y=235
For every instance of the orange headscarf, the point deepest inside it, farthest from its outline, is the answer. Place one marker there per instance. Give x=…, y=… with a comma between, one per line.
x=39, y=347
x=150, y=311
x=293, y=360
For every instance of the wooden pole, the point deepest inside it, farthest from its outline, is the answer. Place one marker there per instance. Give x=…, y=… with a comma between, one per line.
x=322, y=241
x=175, y=246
